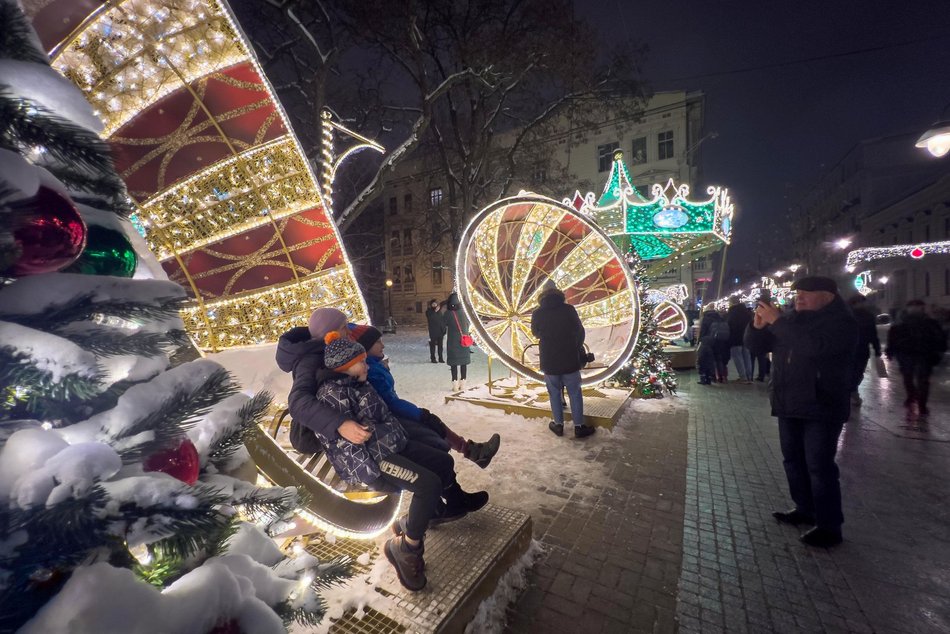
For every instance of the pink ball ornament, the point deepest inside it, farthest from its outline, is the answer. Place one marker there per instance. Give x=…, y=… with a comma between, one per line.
x=181, y=463
x=51, y=238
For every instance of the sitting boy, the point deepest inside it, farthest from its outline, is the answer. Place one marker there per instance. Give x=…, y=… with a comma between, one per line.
x=380, y=377
x=374, y=448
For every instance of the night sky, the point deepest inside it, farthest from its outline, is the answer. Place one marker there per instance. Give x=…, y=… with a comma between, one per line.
x=779, y=128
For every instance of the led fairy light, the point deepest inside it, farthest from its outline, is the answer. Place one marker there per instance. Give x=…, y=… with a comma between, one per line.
x=913, y=251
x=511, y=247
x=327, y=153
x=128, y=57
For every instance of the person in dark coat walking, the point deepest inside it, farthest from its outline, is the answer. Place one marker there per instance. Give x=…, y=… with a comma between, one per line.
x=560, y=336
x=918, y=342
x=867, y=336
x=812, y=363
x=713, y=347
x=436, y=323
x=738, y=317
x=456, y=355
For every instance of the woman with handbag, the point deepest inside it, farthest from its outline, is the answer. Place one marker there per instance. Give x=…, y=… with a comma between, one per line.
x=458, y=342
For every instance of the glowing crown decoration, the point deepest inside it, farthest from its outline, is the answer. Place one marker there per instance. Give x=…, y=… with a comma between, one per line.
x=663, y=225
x=515, y=245
x=226, y=197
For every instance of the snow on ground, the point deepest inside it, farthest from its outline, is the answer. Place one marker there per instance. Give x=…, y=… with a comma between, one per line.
x=530, y=458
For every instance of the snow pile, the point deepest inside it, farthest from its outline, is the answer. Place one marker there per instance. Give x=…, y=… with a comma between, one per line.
x=490, y=616
x=47, y=88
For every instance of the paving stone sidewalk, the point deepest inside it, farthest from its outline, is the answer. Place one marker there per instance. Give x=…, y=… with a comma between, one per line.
x=683, y=538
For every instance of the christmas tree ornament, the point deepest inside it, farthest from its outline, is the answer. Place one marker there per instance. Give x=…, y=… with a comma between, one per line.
x=52, y=236
x=107, y=252
x=181, y=463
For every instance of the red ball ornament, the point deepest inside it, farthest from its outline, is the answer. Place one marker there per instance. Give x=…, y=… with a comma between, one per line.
x=181, y=463
x=51, y=238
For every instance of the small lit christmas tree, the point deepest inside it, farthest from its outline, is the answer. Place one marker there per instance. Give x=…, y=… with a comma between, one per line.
x=648, y=371
x=121, y=508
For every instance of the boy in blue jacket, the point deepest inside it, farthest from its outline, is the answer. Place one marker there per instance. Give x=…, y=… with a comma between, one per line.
x=382, y=380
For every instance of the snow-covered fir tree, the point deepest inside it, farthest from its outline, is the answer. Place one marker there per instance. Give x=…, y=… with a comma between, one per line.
x=119, y=505
x=648, y=371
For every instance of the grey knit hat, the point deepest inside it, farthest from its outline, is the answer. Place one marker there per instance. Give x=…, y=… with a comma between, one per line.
x=341, y=352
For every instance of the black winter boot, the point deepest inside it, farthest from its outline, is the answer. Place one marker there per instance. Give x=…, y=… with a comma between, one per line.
x=458, y=500
x=408, y=562
x=481, y=453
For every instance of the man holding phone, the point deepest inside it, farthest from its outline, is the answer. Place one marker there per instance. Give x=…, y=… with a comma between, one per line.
x=812, y=356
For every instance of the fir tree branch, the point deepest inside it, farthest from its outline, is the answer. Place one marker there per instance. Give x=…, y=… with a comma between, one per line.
x=28, y=124
x=250, y=415
x=304, y=616
x=83, y=308
x=111, y=342
x=29, y=390
x=176, y=415
x=16, y=37
x=106, y=185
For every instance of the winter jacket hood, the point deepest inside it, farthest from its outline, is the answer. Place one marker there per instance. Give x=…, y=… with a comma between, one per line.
x=294, y=344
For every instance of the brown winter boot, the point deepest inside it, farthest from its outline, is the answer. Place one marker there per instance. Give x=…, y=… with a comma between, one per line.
x=408, y=562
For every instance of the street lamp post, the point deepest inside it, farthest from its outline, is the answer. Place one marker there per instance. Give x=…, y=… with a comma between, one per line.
x=937, y=138
x=389, y=297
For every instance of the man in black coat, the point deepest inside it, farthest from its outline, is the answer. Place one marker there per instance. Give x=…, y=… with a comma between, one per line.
x=812, y=363
x=436, y=329
x=560, y=336
x=738, y=317
x=918, y=342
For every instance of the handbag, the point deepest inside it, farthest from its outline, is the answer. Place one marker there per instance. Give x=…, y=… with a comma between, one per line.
x=880, y=367
x=465, y=340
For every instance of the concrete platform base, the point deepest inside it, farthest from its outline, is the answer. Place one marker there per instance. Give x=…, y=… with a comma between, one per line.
x=464, y=561
x=681, y=358
x=602, y=405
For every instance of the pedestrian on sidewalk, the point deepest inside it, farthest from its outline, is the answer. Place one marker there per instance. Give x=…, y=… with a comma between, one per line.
x=434, y=318
x=714, y=346
x=457, y=354
x=739, y=317
x=867, y=336
x=813, y=355
x=560, y=336
x=383, y=381
x=918, y=342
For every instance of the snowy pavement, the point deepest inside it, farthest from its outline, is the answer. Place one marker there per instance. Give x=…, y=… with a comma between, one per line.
x=665, y=524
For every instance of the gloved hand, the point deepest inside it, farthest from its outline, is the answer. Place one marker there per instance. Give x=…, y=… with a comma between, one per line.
x=433, y=422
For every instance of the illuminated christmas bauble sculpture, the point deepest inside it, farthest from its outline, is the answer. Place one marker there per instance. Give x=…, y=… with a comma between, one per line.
x=507, y=253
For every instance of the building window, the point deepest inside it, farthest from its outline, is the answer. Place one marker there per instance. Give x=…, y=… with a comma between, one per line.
x=664, y=145
x=407, y=242
x=927, y=233
x=407, y=204
x=539, y=176
x=397, y=278
x=418, y=307
x=605, y=155
x=437, y=273
x=638, y=151
x=395, y=248
x=435, y=197
x=393, y=210
x=409, y=280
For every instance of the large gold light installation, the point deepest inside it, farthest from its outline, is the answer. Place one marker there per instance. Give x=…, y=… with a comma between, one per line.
x=511, y=248
x=226, y=196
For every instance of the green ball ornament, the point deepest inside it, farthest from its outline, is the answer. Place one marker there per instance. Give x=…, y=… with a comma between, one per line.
x=107, y=252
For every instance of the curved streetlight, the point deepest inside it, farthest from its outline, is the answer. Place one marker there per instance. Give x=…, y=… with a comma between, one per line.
x=937, y=138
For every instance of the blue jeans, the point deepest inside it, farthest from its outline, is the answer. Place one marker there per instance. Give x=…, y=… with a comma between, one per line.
x=743, y=360
x=555, y=384
x=808, y=452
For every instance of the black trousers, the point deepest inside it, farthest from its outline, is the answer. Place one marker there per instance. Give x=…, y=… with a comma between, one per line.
x=425, y=472
x=808, y=454
x=455, y=371
x=763, y=362
x=916, y=374
x=435, y=344
x=861, y=358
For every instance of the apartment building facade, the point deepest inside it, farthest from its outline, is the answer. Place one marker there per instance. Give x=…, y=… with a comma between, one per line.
x=664, y=143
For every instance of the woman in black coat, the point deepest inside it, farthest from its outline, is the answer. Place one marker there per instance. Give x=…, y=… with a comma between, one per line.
x=456, y=355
